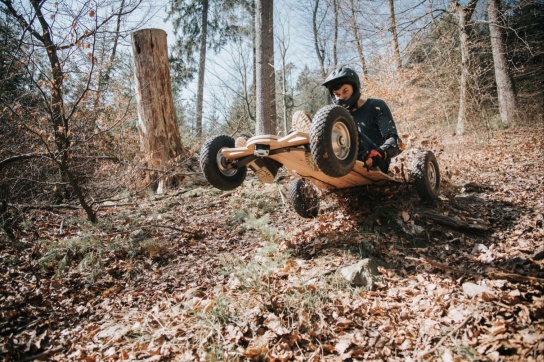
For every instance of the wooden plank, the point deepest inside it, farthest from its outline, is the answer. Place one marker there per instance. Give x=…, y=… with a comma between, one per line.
x=299, y=162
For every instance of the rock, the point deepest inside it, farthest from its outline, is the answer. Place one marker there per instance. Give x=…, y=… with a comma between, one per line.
x=362, y=274
x=473, y=290
x=479, y=248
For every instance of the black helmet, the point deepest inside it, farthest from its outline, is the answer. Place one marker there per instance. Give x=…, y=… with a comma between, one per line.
x=337, y=78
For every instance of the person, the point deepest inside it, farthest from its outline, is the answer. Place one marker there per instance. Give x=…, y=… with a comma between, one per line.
x=378, y=138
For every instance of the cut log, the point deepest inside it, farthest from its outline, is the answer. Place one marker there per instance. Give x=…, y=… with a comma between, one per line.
x=159, y=134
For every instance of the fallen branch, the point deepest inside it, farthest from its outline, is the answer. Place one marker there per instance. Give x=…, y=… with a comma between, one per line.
x=43, y=207
x=468, y=223
x=171, y=228
x=117, y=205
x=488, y=274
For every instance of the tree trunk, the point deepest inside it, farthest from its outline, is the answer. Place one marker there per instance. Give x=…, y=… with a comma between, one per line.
x=335, y=44
x=159, y=134
x=283, y=53
x=266, y=94
x=284, y=97
x=253, y=91
x=58, y=119
x=505, y=85
x=465, y=14
x=358, y=41
x=104, y=75
x=201, y=69
x=319, y=52
x=393, y=25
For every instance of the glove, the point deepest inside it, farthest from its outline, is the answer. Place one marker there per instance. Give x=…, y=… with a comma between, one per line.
x=374, y=157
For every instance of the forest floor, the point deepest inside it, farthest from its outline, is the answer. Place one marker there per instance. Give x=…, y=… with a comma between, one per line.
x=199, y=274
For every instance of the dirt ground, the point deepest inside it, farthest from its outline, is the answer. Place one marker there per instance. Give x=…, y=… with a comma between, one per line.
x=199, y=274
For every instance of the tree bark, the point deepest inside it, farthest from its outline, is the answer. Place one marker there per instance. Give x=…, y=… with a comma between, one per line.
x=319, y=52
x=358, y=41
x=159, y=134
x=104, y=75
x=283, y=45
x=266, y=94
x=201, y=69
x=393, y=25
x=335, y=8
x=465, y=14
x=505, y=85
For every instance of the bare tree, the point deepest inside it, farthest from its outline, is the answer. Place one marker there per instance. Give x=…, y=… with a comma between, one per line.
x=464, y=13
x=266, y=103
x=505, y=84
x=319, y=48
x=48, y=34
x=234, y=89
x=283, y=45
x=201, y=68
x=358, y=39
x=336, y=11
x=105, y=72
x=394, y=34
x=201, y=26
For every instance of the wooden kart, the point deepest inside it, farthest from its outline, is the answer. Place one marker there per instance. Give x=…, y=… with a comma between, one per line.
x=326, y=158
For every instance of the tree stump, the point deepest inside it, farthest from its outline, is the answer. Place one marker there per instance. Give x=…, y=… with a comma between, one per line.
x=160, y=141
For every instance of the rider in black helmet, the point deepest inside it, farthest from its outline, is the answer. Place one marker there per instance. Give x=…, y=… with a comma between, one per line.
x=378, y=135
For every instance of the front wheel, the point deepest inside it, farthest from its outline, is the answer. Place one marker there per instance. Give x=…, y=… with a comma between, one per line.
x=334, y=141
x=219, y=171
x=426, y=175
x=304, y=198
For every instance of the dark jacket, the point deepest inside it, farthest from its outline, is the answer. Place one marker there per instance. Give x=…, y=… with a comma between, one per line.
x=376, y=130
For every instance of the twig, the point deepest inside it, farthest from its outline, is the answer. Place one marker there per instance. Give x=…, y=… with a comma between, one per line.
x=281, y=193
x=181, y=192
x=116, y=205
x=490, y=274
x=169, y=227
x=226, y=194
x=403, y=174
x=320, y=275
x=27, y=156
x=43, y=207
x=432, y=350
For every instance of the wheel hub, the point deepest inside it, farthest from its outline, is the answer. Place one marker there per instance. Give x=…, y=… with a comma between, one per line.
x=431, y=175
x=340, y=140
x=223, y=165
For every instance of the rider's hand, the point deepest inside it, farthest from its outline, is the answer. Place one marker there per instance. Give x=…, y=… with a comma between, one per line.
x=374, y=157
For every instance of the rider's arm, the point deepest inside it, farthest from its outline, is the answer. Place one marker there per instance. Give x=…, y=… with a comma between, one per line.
x=388, y=129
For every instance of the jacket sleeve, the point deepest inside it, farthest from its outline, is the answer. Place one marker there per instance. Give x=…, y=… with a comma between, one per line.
x=388, y=129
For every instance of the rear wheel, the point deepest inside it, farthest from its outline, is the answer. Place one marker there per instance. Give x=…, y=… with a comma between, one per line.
x=219, y=171
x=304, y=198
x=334, y=141
x=426, y=175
